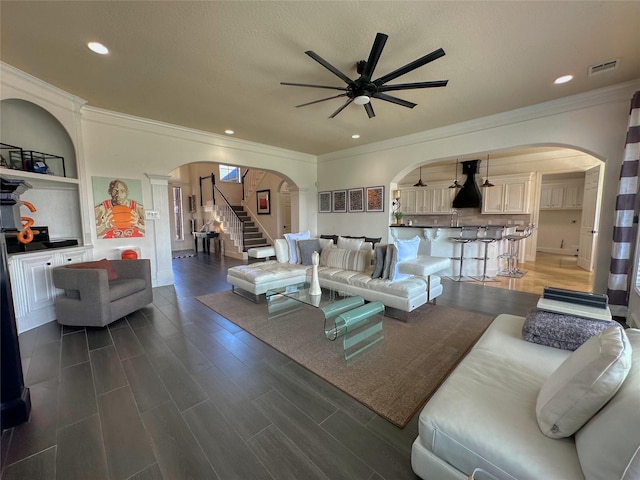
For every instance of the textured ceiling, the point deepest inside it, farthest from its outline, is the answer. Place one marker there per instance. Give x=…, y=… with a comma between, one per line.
x=217, y=65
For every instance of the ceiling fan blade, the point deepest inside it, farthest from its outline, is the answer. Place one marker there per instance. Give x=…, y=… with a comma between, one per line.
x=398, y=101
x=409, y=86
x=321, y=100
x=374, y=56
x=430, y=57
x=328, y=66
x=341, y=108
x=369, y=108
x=313, y=86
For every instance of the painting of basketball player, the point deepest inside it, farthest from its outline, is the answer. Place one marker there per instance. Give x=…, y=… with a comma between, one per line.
x=119, y=216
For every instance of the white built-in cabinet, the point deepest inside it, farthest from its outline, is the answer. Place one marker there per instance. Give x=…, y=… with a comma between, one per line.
x=565, y=195
x=32, y=283
x=435, y=198
x=511, y=194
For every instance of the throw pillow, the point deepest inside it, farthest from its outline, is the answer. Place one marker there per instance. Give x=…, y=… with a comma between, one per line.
x=373, y=240
x=350, y=243
x=408, y=249
x=333, y=238
x=291, y=240
x=307, y=247
x=281, y=247
x=583, y=383
x=378, y=261
x=390, y=259
x=560, y=330
x=103, y=264
x=326, y=243
x=354, y=260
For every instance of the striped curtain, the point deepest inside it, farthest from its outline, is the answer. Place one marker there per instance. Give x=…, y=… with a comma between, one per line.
x=625, y=227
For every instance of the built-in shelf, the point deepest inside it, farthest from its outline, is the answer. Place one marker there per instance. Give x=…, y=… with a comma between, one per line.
x=37, y=178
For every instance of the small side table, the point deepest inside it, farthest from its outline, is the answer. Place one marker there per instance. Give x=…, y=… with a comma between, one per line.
x=206, y=240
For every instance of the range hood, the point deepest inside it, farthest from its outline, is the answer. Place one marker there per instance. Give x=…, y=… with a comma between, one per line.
x=469, y=195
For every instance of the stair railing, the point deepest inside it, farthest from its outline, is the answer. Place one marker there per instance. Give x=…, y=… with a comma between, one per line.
x=233, y=224
x=250, y=178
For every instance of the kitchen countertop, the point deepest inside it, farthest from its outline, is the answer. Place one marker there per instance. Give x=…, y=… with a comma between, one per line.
x=447, y=226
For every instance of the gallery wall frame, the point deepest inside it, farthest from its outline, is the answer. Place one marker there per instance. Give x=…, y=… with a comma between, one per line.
x=324, y=202
x=375, y=199
x=356, y=200
x=339, y=204
x=263, y=201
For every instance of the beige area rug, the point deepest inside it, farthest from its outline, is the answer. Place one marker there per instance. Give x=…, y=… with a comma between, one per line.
x=394, y=378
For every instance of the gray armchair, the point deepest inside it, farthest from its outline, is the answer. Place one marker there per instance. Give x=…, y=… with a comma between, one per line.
x=90, y=299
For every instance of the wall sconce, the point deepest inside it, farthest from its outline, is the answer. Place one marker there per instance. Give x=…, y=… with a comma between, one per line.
x=396, y=200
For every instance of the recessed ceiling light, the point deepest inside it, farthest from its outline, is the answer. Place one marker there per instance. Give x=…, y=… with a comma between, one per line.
x=98, y=48
x=229, y=132
x=563, y=79
x=355, y=137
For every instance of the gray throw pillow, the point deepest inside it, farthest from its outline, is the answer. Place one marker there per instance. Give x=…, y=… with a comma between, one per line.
x=378, y=261
x=390, y=259
x=307, y=247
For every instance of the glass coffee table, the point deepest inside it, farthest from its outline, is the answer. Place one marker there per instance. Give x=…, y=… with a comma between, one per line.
x=346, y=316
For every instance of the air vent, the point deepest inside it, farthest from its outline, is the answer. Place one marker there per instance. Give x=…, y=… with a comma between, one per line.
x=603, y=67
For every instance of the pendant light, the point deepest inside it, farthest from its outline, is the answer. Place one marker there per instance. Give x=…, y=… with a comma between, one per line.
x=420, y=184
x=487, y=183
x=455, y=183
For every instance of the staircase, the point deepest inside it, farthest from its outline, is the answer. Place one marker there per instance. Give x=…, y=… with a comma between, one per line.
x=252, y=237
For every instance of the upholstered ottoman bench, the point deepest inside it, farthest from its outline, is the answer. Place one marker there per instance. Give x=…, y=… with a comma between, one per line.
x=261, y=252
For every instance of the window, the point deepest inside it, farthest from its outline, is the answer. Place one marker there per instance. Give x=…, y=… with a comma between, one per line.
x=177, y=213
x=229, y=174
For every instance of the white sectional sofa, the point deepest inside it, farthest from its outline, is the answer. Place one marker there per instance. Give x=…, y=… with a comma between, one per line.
x=492, y=410
x=422, y=285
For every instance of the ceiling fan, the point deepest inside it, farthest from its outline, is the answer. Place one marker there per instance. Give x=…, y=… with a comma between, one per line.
x=361, y=90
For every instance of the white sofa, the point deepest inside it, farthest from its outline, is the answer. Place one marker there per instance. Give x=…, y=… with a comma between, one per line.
x=404, y=295
x=485, y=415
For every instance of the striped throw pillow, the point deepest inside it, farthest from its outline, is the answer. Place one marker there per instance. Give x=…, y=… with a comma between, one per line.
x=354, y=260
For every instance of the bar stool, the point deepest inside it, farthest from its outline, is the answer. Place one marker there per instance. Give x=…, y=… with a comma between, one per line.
x=513, y=252
x=467, y=235
x=491, y=235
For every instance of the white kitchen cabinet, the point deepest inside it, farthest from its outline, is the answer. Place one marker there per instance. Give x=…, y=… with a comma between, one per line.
x=551, y=196
x=32, y=283
x=563, y=195
x=510, y=194
x=432, y=199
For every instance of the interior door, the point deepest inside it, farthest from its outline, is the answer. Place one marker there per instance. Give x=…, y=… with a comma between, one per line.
x=590, y=216
x=285, y=202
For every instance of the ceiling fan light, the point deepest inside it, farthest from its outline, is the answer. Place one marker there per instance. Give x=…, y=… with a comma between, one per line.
x=487, y=183
x=361, y=100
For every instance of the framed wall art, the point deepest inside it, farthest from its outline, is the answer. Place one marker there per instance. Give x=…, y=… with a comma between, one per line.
x=356, y=199
x=119, y=212
x=339, y=201
x=375, y=199
x=324, y=202
x=263, y=199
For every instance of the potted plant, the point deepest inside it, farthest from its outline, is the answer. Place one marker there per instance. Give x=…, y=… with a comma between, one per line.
x=398, y=216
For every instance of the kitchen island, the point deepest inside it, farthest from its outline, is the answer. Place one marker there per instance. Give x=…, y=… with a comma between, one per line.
x=436, y=241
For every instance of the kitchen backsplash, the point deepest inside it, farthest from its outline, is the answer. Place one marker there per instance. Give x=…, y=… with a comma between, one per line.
x=468, y=216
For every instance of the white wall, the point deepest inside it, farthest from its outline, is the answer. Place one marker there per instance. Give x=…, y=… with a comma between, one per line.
x=559, y=231
x=119, y=145
x=595, y=122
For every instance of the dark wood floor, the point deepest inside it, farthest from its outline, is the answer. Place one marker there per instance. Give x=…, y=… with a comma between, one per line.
x=176, y=391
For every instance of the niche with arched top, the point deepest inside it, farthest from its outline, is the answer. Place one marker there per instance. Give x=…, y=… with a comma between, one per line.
x=31, y=127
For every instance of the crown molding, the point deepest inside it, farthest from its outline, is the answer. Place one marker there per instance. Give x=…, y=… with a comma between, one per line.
x=12, y=76
x=612, y=94
x=117, y=119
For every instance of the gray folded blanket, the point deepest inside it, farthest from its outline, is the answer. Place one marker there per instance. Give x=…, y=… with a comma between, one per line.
x=560, y=330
